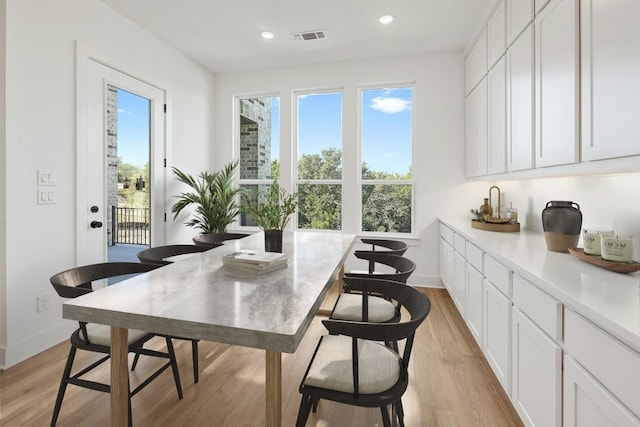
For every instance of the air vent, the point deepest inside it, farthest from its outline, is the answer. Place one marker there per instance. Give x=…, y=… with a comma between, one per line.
x=309, y=35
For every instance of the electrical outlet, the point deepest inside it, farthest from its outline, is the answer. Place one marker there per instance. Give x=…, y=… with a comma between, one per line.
x=42, y=303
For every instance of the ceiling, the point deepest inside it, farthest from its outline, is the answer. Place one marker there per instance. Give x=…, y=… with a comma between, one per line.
x=224, y=35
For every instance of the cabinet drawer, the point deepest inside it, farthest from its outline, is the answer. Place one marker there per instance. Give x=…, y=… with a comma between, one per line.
x=612, y=363
x=446, y=233
x=475, y=256
x=459, y=243
x=498, y=274
x=543, y=309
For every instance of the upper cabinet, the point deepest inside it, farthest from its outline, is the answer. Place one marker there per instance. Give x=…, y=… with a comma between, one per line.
x=519, y=16
x=557, y=84
x=476, y=131
x=520, y=100
x=496, y=35
x=610, y=43
x=497, y=118
x=540, y=4
x=475, y=65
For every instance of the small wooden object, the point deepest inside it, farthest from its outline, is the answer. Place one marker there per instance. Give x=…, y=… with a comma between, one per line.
x=618, y=267
x=487, y=226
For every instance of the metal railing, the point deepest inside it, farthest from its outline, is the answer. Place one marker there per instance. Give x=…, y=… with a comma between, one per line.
x=130, y=225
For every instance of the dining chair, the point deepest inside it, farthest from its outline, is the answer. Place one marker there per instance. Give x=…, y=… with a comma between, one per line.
x=96, y=338
x=157, y=255
x=216, y=239
x=390, y=247
x=351, y=365
x=354, y=304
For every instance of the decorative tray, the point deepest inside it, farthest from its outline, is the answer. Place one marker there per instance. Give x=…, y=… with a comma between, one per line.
x=488, y=226
x=618, y=267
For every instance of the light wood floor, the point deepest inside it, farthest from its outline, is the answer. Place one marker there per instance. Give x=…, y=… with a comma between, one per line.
x=450, y=385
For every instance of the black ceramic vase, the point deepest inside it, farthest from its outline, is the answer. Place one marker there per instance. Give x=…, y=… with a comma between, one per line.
x=273, y=241
x=561, y=222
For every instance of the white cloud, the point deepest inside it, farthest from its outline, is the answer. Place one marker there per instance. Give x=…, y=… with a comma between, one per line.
x=123, y=111
x=390, y=105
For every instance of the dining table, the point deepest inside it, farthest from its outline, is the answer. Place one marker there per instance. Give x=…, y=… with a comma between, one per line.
x=197, y=297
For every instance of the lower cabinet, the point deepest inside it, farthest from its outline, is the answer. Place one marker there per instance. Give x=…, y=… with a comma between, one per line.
x=588, y=404
x=537, y=374
x=497, y=333
x=474, y=303
x=459, y=282
x=446, y=264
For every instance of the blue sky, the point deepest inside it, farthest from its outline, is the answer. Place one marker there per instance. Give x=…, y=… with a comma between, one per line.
x=133, y=128
x=386, y=127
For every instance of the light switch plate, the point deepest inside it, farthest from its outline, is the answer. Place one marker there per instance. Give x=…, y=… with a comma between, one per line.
x=46, y=177
x=46, y=196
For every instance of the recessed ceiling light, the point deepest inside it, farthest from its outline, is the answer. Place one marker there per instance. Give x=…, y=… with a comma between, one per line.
x=385, y=19
x=266, y=35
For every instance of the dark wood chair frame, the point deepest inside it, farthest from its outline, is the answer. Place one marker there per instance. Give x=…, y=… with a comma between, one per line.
x=418, y=306
x=78, y=281
x=157, y=255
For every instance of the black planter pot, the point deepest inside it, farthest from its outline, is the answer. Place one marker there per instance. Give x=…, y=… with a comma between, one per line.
x=561, y=222
x=273, y=241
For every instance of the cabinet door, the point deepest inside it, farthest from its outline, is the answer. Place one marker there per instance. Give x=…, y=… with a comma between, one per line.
x=475, y=65
x=520, y=102
x=446, y=263
x=557, y=84
x=459, y=279
x=497, y=334
x=540, y=4
x=496, y=35
x=474, y=303
x=476, y=131
x=589, y=404
x=537, y=374
x=497, y=120
x=519, y=15
x=610, y=56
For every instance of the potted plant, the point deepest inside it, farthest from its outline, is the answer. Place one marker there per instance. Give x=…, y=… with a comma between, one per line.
x=214, y=196
x=271, y=210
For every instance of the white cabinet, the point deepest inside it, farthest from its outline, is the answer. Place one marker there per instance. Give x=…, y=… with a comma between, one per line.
x=497, y=333
x=459, y=282
x=497, y=118
x=610, y=57
x=540, y=4
x=557, y=84
x=519, y=15
x=446, y=264
x=474, y=303
x=496, y=35
x=476, y=131
x=520, y=99
x=588, y=404
x=475, y=65
x=537, y=374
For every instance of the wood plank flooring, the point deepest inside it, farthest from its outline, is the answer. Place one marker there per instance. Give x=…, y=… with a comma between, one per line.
x=450, y=385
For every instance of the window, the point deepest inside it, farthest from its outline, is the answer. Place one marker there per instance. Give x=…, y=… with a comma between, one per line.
x=319, y=137
x=259, y=143
x=386, y=150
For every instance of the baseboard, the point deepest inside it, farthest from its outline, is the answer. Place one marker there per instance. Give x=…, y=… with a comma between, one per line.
x=13, y=354
x=425, y=281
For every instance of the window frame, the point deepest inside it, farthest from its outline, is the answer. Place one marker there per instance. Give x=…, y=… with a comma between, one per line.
x=361, y=182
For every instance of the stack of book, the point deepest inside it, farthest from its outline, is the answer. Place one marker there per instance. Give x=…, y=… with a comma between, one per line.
x=254, y=262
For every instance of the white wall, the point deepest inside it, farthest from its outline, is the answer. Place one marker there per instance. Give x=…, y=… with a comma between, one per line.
x=3, y=205
x=438, y=155
x=40, y=134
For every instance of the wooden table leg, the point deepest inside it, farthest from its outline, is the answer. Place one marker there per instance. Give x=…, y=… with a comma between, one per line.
x=274, y=388
x=119, y=377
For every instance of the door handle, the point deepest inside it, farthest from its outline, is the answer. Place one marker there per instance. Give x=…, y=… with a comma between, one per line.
x=96, y=224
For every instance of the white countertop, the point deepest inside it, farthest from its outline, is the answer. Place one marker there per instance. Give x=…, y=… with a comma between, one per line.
x=196, y=297
x=610, y=300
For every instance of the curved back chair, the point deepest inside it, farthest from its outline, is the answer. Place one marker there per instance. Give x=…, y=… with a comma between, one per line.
x=352, y=366
x=354, y=304
x=389, y=247
x=158, y=254
x=97, y=338
x=216, y=239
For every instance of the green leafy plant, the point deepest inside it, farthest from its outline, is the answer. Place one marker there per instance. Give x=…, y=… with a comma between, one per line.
x=214, y=196
x=271, y=210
